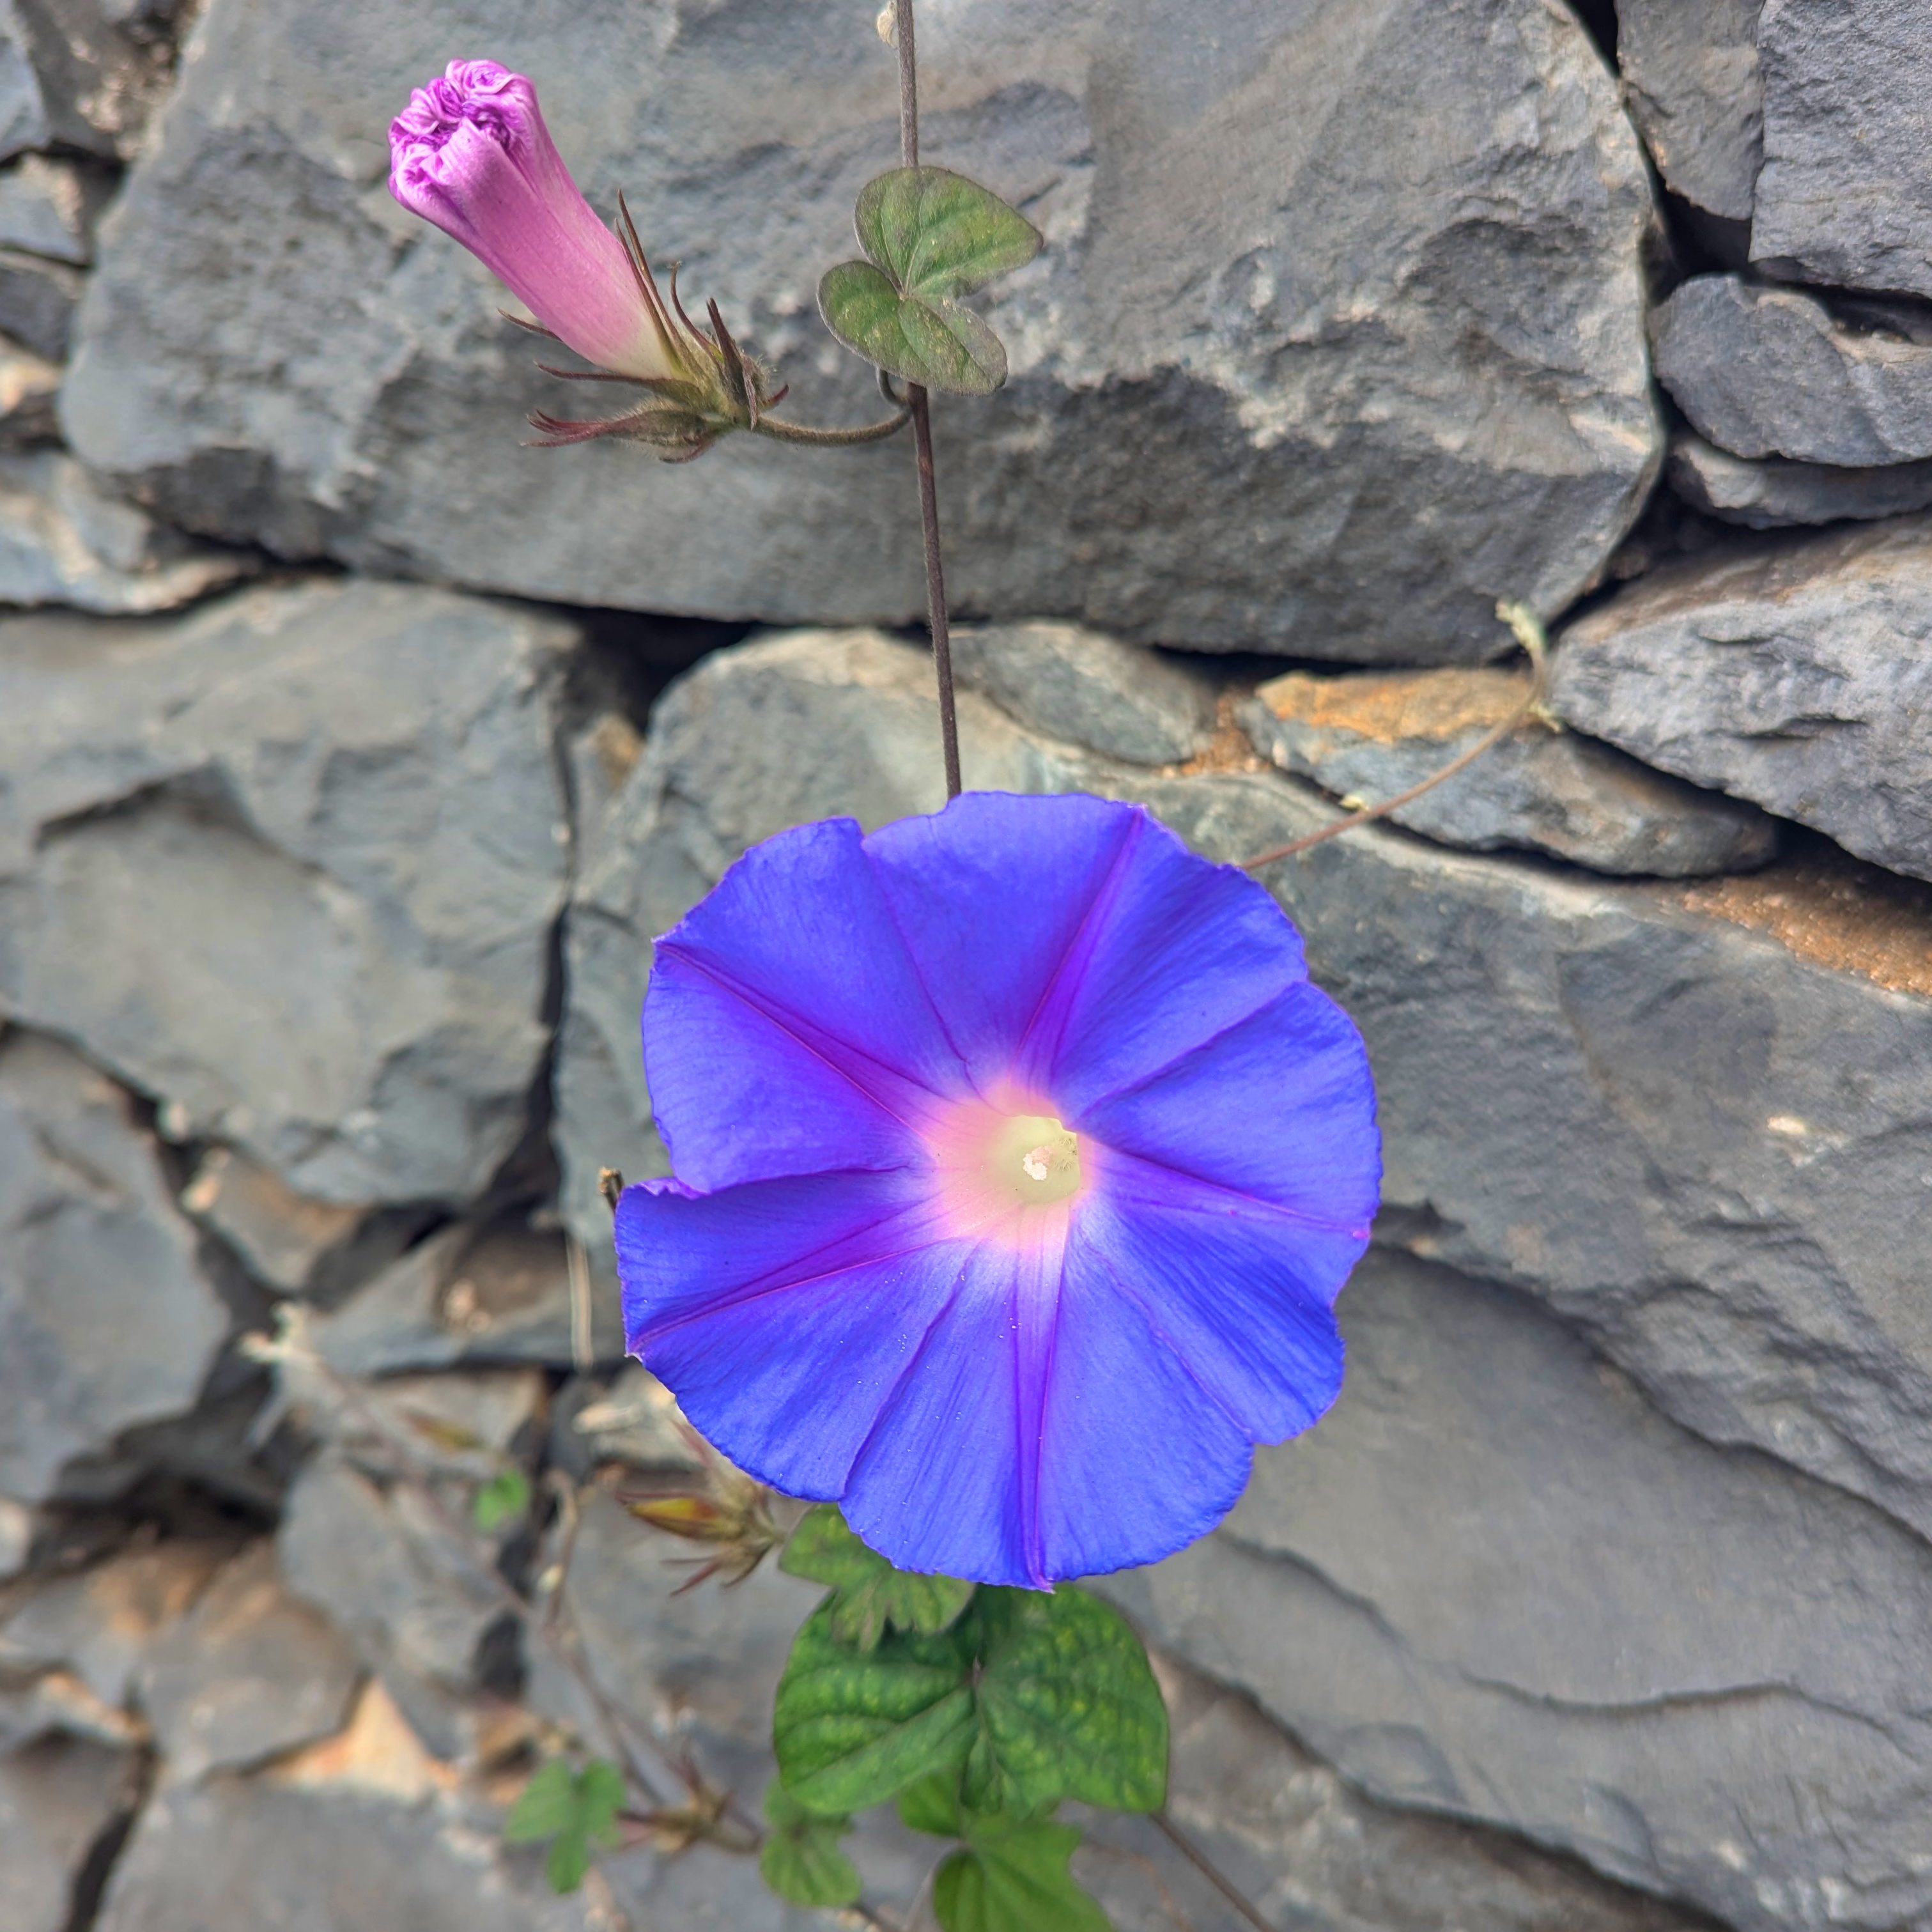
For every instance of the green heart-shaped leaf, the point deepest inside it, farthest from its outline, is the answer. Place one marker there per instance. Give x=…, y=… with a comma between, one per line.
x=1013, y=1877
x=938, y=235
x=574, y=1811
x=800, y=1859
x=1068, y=1707
x=868, y=1595
x=850, y=1727
x=937, y=344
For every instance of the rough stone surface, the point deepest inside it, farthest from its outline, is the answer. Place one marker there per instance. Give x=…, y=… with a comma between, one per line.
x=380, y=1566
x=85, y=74
x=37, y=301
x=1374, y=735
x=248, y=1673
x=88, y=1234
x=56, y=1799
x=1330, y=381
x=1801, y=677
x=1695, y=1120
x=338, y=811
x=28, y=386
x=1315, y=1855
x=326, y=1855
x=1772, y=493
x=1087, y=688
x=1690, y=77
x=1772, y=372
x=287, y=1241
x=1495, y=1582
x=1845, y=195
x=466, y=1296
x=65, y=540
x=48, y=207
x=99, y=1626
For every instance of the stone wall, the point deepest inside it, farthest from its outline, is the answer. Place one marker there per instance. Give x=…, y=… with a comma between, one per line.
x=351, y=754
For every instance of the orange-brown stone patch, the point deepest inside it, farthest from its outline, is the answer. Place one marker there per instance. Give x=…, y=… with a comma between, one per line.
x=1833, y=912
x=1390, y=707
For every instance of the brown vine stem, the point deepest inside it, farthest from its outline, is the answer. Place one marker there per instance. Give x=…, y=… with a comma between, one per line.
x=1209, y=1870
x=920, y=405
x=1529, y=634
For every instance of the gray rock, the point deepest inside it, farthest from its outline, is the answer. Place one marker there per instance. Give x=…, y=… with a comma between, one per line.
x=57, y=1799
x=100, y=1625
x=37, y=301
x=1771, y=494
x=468, y=1296
x=1845, y=195
x=47, y=208
x=1314, y=1853
x=1372, y=736
x=65, y=540
x=20, y=1530
x=291, y=863
x=250, y=1672
x=362, y=1845
x=1089, y=688
x=1772, y=372
x=1494, y=1582
x=633, y=1421
x=1799, y=676
x=81, y=73
x=1694, y=1119
x=414, y=1602
x=85, y=1214
x=1690, y=77
x=287, y=1241
x=1246, y=316
x=28, y=384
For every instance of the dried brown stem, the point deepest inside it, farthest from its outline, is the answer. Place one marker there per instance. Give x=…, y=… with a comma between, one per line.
x=1529, y=634
x=1210, y=1871
x=917, y=401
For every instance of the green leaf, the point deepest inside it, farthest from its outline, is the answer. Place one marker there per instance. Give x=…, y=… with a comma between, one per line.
x=933, y=236
x=600, y=1794
x=504, y=1497
x=938, y=235
x=932, y=1804
x=548, y=1805
x=569, y=1862
x=940, y=344
x=1067, y=1706
x=800, y=1858
x=1013, y=1877
x=851, y=1727
x=869, y=1595
x=573, y=1811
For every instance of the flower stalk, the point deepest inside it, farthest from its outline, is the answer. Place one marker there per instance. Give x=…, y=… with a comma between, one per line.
x=920, y=406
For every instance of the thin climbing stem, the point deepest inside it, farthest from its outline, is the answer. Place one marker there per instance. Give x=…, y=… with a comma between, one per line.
x=1528, y=634
x=920, y=405
x=1209, y=1870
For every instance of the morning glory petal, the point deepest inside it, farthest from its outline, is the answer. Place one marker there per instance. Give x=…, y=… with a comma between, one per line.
x=757, y=1303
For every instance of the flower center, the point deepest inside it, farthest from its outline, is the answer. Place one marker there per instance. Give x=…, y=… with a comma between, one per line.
x=1034, y=1159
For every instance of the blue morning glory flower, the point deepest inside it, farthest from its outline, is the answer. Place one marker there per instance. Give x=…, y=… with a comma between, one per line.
x=1018, y=1167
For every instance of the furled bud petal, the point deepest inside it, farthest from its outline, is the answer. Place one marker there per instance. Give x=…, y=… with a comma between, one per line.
x=471, y=154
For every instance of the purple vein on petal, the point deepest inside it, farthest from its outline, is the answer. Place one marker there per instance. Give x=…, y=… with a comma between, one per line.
x=778, y=1281
x=1056, y=998
x=918, y=1355
x=1187, y=1053
x=918, y=972
x=1117, y=1155
x=790, y=1024
x=1155, y=1328
x=1032, y=1455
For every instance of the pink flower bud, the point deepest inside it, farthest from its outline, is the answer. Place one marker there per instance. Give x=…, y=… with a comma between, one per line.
x=471, y=154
